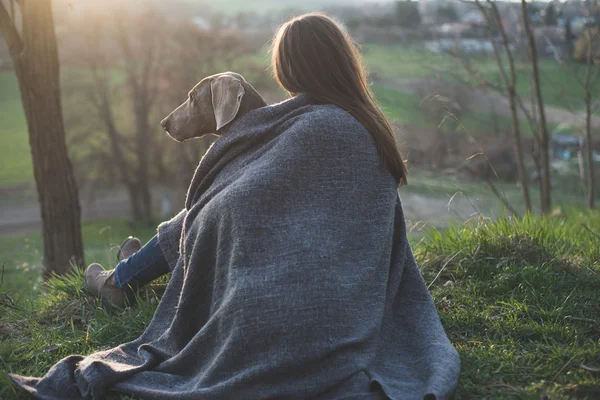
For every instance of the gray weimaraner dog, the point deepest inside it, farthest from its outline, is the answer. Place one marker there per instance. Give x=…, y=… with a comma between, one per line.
x=212, y=104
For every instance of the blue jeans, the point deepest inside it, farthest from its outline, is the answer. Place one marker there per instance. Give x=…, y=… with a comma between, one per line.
x=142, y=267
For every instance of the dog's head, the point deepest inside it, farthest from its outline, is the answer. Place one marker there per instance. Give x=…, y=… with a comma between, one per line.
x=211, y=105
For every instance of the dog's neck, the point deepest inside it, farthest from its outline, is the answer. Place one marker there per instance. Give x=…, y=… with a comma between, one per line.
x=252, y=100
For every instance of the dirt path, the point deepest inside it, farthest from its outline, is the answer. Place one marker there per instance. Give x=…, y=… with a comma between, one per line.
x=20, y=214
x=484, y=101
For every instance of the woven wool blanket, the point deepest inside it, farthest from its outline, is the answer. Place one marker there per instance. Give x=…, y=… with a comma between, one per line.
x=292, y=278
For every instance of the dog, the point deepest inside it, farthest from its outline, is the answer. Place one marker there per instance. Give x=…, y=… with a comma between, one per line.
x=211, y=105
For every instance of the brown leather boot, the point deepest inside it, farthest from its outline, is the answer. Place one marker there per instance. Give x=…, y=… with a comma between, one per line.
x=101, y=283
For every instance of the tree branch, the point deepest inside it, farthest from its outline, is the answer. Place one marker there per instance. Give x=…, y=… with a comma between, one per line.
x=545, y=186
x=487, y=84
x=493, y=43
x=502, y=197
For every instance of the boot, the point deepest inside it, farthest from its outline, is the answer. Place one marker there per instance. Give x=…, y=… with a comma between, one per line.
x=101, y=283
x=128, y=247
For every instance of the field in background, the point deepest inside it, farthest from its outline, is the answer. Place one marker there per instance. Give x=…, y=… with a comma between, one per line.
x=560, y=87
x=15, y=158
x=406, y=108
x=389, y=63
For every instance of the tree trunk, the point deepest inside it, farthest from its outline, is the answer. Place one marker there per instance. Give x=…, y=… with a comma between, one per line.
x=591, y=184
x=510, y=84
x=135, y=204
x=142, y=177
x=128, y=177
x=523, y=178
x=143, y=185
x=545, y=195
x=587, y=86
x=37, y=70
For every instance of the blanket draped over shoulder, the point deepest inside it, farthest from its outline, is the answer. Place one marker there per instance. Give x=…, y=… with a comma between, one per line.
x=292, y=277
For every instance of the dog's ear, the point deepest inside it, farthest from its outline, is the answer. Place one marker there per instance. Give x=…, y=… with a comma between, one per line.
x=227, y=93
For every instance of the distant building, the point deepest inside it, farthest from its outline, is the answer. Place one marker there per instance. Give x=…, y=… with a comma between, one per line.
x=473, y=17
x=201, y=23
x=429, y=9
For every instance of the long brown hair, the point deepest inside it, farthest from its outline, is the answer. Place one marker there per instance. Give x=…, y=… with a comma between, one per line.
x=312, y=54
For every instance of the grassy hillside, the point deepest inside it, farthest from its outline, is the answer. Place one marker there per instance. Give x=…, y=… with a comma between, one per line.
x=518, y=298
x=392, y=62
x=560, y=86
x=406, y=108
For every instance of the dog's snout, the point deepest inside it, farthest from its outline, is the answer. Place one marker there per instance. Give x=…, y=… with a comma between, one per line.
x=164, y=123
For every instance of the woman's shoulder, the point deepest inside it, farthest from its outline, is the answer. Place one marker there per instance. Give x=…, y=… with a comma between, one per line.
x=331, y=123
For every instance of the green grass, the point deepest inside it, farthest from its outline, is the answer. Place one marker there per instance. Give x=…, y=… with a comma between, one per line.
x=404, y=62
x=406, y=108
x=518, y=298
x=15, y=159
x=566, y=192
x=62, y=322
x=16, y=166
x=560, y=87
x=401, y=107
x=22, y=255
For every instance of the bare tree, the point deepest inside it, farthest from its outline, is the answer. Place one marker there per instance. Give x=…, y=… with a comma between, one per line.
x=508, y=88
x=122, y=72
x=142, y=61
x=35, y=58
x=510, y=85
x=587, y=52
x=588, y=82
x=141, y=67
x=543, y=139
x=534, y=115
x=592, y=72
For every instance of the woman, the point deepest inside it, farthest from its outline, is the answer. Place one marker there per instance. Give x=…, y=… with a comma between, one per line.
x=292, y=276
x=310, y=54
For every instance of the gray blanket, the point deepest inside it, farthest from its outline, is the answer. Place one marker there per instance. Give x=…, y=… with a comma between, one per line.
x=292, y=277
